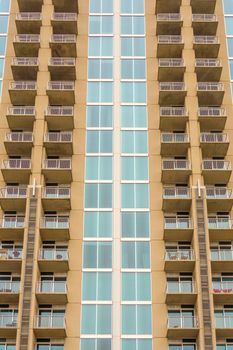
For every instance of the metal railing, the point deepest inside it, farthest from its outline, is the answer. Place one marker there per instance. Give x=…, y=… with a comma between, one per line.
x=223, y=321
x=210, y=86
x=221, y=254
x=16, y=164
x=8, y=321
x=173, y=111
x=63, y=38
x=58, y=192
x=182, y=322
x=176, y=287
x=63, y=136
x=52, y=287
x=169, y=17
x=13, y=192
x=206, y=39
x=10, y=254
x=54, y=254
x=224, y=287
x=216, y=165
x=204, y=18
x=61, y=85
x=27, y=38
x=9, y=286
x=208, y=62
x=59, y=111
x=22, y=85
x=214, y=137
x=211, y=112
x=171, y=62
x=59, y=164
x=15, y=110
x=24, y=61
x=25, y=136
x=174, y=137
x=179, y=255
x=28, y=16
x=180, y=223
x=50, y=321
x=55, y=222
x=171, y=192
x=177, y=164
x=213, y=192
x=58, y=16
x=220, y=223
x=61, y=61
x=13, y=221
x=172, y=86
x=170, y=39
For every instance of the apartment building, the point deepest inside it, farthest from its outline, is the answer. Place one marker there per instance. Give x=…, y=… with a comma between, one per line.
x=116, y=147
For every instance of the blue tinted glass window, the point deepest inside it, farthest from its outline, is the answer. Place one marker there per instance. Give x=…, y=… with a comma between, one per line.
x=132, y=6
x=97, y=255
x=228, y=6
x=97, y=286
x=98, y=168
x=134, y=142
x=133, y=69
x=133, y=92
x=97, y=224
x=136, y=286
x=100, y=46
x=100, y=69
x=96, y=344
x=4, y=6
x=98, y=195
x=100, y=92
x=99, y=116
x=231, y=68
x=135, y=224
x=2, y=45
x=101, y=25
x=133, y=116
x=139, y=344
x=96, y=319
x=135, y=196
x=132, y=25
x=98, y=6
x=99, y=141
x=229, y=25
x=133, y=47
x=136, y=319
x=4, y=24
x=230, y=46
x=135, y=255
x=1, y=67
x=134, y=168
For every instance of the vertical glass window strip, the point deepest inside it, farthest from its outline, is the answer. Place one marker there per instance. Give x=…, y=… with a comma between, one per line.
x=228, y=10
x=4, y=19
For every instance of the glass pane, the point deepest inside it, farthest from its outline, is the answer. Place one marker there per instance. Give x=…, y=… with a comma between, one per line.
x=98, y=168
x=135, y=224
x=97, y=224
x=133, y=116
x=99, y=116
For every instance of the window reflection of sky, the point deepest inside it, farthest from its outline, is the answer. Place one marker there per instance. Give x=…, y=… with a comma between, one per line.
x=228, y=10
x=4, y=16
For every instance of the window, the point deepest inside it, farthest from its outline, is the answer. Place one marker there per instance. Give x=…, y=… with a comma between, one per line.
x=50, y=318
x=100, y=69
x=100, y=24
x=228, y=6
x=2, y=45
x=4, y=24
x=99, y=116
x=136, y=319
x=134, y=168
x=133, y=92
x=133, y=69
x=96, y=319
x=135, y=255
x=132, y=6
x=97, y=224
x=97, y=255
x=98, y=168
x=229, y=25
x=1, y=67
x=96, y=344
x=100, y=92
x=224, y=318
x=230, y=46
x=101, y=6
x=133, y=47
x=134, y=142
x=136, y=286
x=139, y=344
x=135, y=196
x=182, y=346
x=133, y=117
x=97, y=286
x=6, y=346
x=100, y=46
x=45, y=346
x=98, y=196
x=4, y=6
x=99, y=141
x=132, y=25
x=135, y=224
x=181, y=318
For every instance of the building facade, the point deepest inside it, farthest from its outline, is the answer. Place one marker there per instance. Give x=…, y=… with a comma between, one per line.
x=116, y=144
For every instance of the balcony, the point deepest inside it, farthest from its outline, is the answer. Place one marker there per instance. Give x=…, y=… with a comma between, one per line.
x=220, y=228
x=176, y=198
x=9, y=291
x=51, y=292
x=172, y=93
x=216, y=171
x=26, y=45
x=183, y=290
x=56, y=198
x=21, y=117
x=170, y=46
x=174, y=143
x=203, y=6
x=55, y=227
x=12, y=227
x=221, y=260
x=60, y=117
x=210, y=93
x=214, y=144
x=59, y=170
x=178, y=229
x=23, y=92
x=224, y=326
x=10, y=260
x=50, y=326
x=16, y=170
x=182, y=327
x=171, y=69
x=62, y=67
x=8, y=325
x=19, y=143
x=223, y=292
x=58, y=143
x=206, y=46
x=169, y=23
x=53, y=260
x=205, y=23
x=24, y=68
x=28, y=22
x=212, y=118
x=61, y=92
x=173, y=118
x=219, y=199
x=63, y=45
x=64, y=23
x=179, y=260
x=65, y=6
x=31, y=5
x=13, y=198
x=170, y=5
x=175, y=171
x=208, y=69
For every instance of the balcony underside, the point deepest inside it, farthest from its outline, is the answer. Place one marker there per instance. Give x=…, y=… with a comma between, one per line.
x=176, y=204
x=64, y=27
x=214, y=149
x=208, y=73
x=221, y=265
x=28, y=72
x=174, y=235
x=30, y=5
x=61, y=97
x=210, y=98
x=220, y=234
x=55, y=204
x=171, y=73
x=12, y=234
x=223, y=298
x=179, y=333
x=18, y=148
x=13, y=204
x=175, y=298
x=172, y=98
x=212, y=177
x=20, y=122
x=169, y=50
x=169, y=27
x=8, y=331
x=173, y=123
x=63, y=49
x=26, y=49
x=55, y=234
x=212, y=123
x=23, y=97
x=206, y=50
x=172, y=148
x=50, y=332
x=62, y=72
x=9, y=297
x=52, y=298
x=171, y=6
x=53, y=265
x=222, y=204
x=59, y=148
x=65, y=5
x=179, y=266
x=60, y=122
x=205, y=28
x=21, y=176
x=13, y=265
x=58, y=176
x=203, y=6
x=224, y=332
x=175, y=176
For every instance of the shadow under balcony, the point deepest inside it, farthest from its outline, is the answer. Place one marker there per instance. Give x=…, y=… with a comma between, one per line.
x=21, y=117
x=24, y=68
x=204, y=24
x=214, y=144
x=62, y=67
x=173, y=118
x=64, y=23
x=65, y=5
x=63, y=45
x=60, y=117
x=23, y=92
x=203, y=6
x=208, y=69
x=26, y=45
x=206, y=46
x=210, y=93
x=28, y=22
x=30, y=5
x=61, y=92
x=170, y=46
x=171, y=69
x=168, y=6
x=168, y=23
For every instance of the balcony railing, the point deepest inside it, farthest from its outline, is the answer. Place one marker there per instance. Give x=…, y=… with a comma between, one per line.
x=216, y=165
x=27, y=38
x=218, y=193
x=60, y=192
x=170, y=39
x=207, y=62
x=210, y=86
x=207, y=137
x=174, y=138
x=204, y=17
x=171, y=62
x=9, y=287
x=60, y=111
x=211, y=112
x=61, y=16
x=221, y=254
x=223, y=321
x=182, y=322
x=170, y=164
x=61, y=61
x=172, y=86
x=25, y=61
x=54, y=254
x=13, y=221
x=223, y=287
x=19, y=111
x=55, y=222
x=8, y=321
x=19, y=136
x=176, y=192
x=169, y=17
x=28, y=16
x=13, y=192
x=16, y=164
x=52, y=287
x=59, y=164
x=220, y=223
x=206, y=39
x=10, y=254
x=173, y=111
x=22, y=85
x=64, y=136
x=50, y=322
x=175, y=287
x=63, y=38
x=61, y=85
x=177, y=223
x=179, y=255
